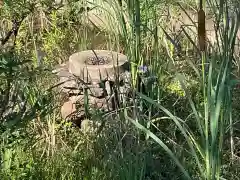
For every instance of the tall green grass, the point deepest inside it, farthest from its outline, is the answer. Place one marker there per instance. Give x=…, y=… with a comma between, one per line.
x=206, y=143
x=49, y=148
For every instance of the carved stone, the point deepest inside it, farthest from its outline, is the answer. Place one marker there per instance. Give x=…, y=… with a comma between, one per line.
x=103, y=69
x=96, y=65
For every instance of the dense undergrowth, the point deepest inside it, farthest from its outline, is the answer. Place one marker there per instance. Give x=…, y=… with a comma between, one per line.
x=184, y=126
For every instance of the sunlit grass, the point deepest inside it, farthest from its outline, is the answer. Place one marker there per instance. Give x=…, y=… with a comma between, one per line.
x=50, y=148
x=207, y=143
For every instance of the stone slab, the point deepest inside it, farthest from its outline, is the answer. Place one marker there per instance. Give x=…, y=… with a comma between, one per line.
x=88, y=72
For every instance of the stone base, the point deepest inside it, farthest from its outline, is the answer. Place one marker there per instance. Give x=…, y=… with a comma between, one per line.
x=99, y=88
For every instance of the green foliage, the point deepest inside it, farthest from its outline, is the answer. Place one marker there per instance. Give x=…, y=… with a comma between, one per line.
x=178, y=127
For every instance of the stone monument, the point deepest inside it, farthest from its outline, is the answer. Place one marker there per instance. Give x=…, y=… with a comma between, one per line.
x=91, y=75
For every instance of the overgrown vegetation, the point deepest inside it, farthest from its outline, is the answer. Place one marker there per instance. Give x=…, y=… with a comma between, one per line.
x=184, y=125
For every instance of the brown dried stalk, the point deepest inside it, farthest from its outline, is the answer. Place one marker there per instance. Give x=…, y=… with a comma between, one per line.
x=201, y=28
